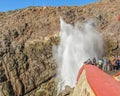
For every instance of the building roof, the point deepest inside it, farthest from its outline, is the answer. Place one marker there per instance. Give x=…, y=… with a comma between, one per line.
x=101, y=83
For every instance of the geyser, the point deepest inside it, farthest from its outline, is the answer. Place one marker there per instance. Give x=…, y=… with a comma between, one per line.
x=77, y=44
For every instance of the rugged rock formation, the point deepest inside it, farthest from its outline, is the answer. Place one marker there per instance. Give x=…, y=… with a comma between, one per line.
x=26, y=40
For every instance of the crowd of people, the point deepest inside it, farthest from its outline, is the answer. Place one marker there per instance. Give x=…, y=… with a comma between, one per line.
x=106, y=64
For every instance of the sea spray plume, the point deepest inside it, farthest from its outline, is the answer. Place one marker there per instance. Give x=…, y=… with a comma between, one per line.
x=77, y=44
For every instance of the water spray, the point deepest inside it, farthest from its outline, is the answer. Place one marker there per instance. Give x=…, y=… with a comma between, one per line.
x=77, y=44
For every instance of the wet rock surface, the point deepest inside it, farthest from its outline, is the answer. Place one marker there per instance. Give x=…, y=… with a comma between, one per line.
x=26, y=40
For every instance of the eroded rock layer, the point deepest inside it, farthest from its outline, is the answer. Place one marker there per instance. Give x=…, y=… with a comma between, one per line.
x=26, y=40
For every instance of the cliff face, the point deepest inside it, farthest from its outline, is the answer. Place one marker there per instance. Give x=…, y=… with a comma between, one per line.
x=27, y=37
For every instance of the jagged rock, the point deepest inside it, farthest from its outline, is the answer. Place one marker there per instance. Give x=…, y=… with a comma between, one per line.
x=50, y=85
x=15, y=34
x=3, y=78
x=1, y=53
x=67, y=91
x=0, y=63
x=6, y=89
x=26, y=40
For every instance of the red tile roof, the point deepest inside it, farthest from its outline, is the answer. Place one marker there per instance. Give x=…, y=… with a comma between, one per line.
x=101, y=83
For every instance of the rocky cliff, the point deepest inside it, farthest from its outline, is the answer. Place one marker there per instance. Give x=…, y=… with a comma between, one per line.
x=26, y=40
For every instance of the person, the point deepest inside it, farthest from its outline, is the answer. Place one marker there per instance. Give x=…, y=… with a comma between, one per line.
x=104, y=64
x=94, y=61
x=100, y=62
x=89, y=61
x=117, y=63
x=112, y=59
x=109, y=65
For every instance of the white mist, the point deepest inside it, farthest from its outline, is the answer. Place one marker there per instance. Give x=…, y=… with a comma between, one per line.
x=77, y=44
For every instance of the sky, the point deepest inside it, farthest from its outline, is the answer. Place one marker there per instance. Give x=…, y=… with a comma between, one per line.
x=7, y=5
